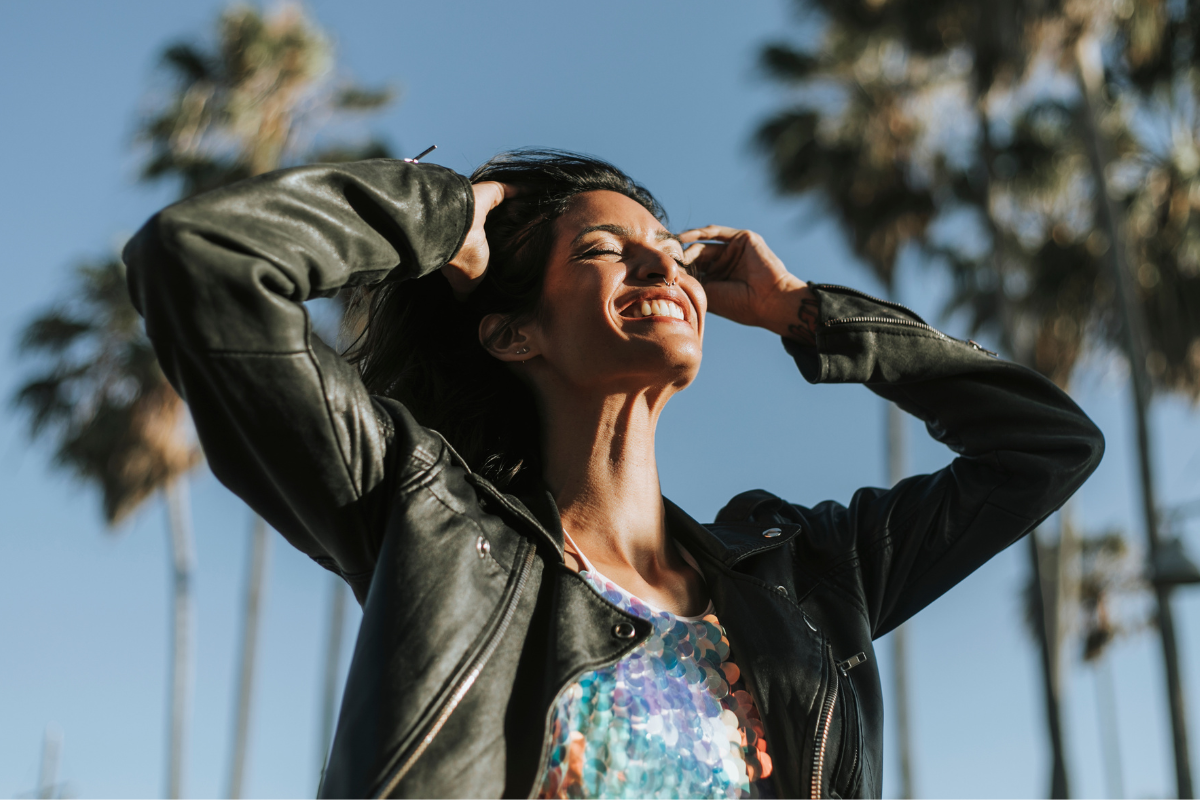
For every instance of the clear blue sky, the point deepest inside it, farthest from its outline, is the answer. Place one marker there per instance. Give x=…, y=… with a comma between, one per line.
x=668, y=91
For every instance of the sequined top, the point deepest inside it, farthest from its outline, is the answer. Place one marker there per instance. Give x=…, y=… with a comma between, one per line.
x=670, y=719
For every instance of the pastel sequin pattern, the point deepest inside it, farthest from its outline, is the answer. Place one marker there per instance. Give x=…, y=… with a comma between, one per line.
x=671, y=719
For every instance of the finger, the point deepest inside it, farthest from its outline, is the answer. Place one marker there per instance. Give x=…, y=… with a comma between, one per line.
x=705, y=253
x=720, y=233
x=729, y=256
x=489, y=194
x=709, y=262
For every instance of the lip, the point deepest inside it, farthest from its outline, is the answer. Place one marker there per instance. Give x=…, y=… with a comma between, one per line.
x=657, y=293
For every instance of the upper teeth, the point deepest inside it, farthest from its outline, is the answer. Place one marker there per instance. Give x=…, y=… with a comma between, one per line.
x=659, y=308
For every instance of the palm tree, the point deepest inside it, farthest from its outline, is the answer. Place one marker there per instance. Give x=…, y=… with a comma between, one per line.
x=253, y=101
x=1077, y=171
x=116, y=422
x=858, y=159
x=886, y=149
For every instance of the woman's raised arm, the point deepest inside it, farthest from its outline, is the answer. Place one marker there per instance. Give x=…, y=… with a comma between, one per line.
x=285, y=422
x=1023, y=447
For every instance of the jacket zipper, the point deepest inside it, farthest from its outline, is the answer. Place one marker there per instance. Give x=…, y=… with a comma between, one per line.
x=829, y=323
x=466, y=681
x=845, y=667
x=823, y=735
x=891, y=320
x=854, y=760
x=842, y=667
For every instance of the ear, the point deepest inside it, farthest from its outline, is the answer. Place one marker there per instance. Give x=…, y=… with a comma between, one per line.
x=510, y=343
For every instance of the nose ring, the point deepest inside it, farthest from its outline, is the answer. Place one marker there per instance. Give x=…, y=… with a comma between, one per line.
x=672, y=283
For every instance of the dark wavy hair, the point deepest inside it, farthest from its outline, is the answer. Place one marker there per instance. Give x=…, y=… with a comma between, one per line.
x=415, y=343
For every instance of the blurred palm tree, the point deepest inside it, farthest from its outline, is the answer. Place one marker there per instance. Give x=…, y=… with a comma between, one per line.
x=257, y=98
x=117, y=422
x=876, y=206
x=253, y=101
x=250, y=103
x=973, y=135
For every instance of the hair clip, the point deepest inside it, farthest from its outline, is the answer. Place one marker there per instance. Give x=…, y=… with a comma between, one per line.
x=417, y=158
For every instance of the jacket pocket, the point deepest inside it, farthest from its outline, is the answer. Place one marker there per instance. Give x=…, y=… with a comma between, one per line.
x=837, y=745
x=846, y=778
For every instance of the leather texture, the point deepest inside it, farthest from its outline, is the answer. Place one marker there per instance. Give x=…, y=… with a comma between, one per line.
x=472, y=624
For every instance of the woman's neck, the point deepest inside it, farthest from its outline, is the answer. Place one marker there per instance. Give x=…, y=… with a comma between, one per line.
x=599, y=459
x=600, y=467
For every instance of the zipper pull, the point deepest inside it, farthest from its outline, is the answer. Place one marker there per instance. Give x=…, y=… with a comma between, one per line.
x=852, y=662
x=981, y=348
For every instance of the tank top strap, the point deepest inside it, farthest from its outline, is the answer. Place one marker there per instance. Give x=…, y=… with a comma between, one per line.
x=587, y=565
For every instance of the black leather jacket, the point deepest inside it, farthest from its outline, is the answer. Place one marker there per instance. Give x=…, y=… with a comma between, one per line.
x=472, y=623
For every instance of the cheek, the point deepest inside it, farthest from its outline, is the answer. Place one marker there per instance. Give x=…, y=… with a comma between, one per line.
x=574, y=305
x=700, y=300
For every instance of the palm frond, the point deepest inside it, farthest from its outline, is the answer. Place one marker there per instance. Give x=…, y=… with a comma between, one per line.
x=787, y=64
x=360, y=98
x=53, y=332
x=188, y=62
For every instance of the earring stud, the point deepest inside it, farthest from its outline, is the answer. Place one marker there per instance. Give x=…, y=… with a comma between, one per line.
x=523, y=351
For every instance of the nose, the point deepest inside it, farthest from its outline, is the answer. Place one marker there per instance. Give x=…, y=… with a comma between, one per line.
x=656, y=267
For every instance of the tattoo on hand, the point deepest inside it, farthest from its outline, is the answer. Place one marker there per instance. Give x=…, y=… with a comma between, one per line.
x=806, y=331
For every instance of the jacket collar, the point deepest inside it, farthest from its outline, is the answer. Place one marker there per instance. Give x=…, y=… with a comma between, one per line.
x=542, y=507
x=727, y=542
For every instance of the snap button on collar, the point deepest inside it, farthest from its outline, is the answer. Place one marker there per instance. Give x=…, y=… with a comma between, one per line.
x=771, y=533
x=624, y=630
x=483, y=547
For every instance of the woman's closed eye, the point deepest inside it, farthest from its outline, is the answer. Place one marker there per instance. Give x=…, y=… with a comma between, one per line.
x=600, y=251
x=596, y=252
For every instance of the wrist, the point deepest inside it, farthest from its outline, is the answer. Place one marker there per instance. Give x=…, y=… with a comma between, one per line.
x=793, y=312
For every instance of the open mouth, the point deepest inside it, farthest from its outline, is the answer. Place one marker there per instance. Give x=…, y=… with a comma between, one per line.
x=658, y=307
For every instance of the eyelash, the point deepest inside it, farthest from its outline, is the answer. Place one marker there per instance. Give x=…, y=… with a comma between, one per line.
x=597, y=252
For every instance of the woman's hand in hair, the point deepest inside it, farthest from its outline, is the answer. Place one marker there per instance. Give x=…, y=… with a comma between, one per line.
x=747, y=283
x=466, y=269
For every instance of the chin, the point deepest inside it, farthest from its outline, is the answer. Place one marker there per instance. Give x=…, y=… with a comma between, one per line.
x=677, y=366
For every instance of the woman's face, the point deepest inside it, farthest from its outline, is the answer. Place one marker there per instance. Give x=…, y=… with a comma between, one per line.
x=619, y=311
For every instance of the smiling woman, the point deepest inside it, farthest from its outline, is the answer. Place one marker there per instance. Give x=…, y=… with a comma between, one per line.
x=538, y=619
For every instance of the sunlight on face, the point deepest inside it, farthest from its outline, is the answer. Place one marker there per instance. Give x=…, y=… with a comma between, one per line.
x=619, y=308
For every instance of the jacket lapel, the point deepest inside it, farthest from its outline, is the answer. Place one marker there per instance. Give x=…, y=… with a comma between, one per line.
x=780, y=652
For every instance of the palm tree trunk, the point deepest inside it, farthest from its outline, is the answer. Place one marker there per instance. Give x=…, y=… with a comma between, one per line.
x=183, y=559
x=1110, y=742
x=896, y=457
x=333, y=668
x=1059, y=784
x=48, y=774
x=1058, y=774
x=260, y=544
x=1090, y=74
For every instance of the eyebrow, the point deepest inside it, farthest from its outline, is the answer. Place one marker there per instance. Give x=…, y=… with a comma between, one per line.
x=661, y=235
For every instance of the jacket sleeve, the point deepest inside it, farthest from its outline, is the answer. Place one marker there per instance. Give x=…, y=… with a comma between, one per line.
x=284, y=421
x=1023, y=447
